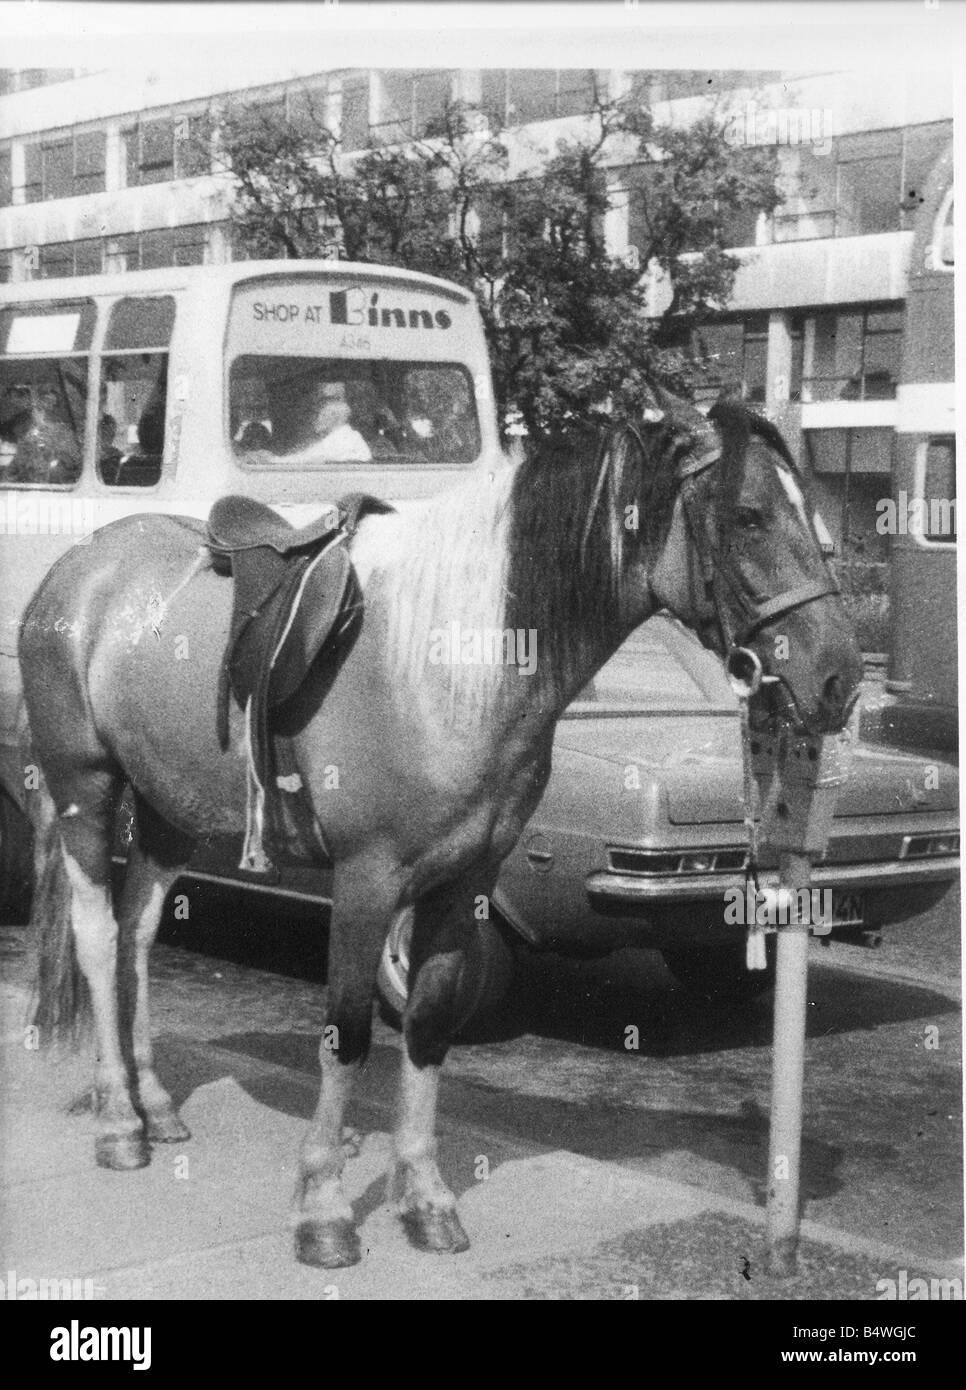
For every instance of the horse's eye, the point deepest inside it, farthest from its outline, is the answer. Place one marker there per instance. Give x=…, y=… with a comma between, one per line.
x=748, y=518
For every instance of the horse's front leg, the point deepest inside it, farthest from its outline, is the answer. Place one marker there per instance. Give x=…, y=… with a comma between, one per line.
x=445, y=982
x=325, y=1233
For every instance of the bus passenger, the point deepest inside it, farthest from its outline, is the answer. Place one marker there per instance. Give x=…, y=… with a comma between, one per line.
x=108, y=454
x=335, y=440
x=48, y=452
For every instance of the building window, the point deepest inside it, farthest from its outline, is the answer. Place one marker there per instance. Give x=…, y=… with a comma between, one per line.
x=734, y=355
x=635, y=181
x=306, y=110
x=58, y=259
x=922, y=147
x=855, y=356
x=939, y=491
x=174, y=147
x=6, y=178
x=650, y=87
x=414, y=104
x=6, y=267
x=522, y=96
x=166, y=246
x=491, y=229
x=807, y=184
x=852, y=473
x=869, y=197
x=646, y=188
x=65, y=167
x=870, y=183
x=354, y=124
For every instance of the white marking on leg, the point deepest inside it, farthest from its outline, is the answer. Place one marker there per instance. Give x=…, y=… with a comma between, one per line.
x=152, y=1093
x=320, y=1196
x=95, y=936
x=418, y=1179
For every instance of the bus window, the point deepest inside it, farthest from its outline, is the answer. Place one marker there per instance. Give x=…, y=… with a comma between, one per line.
x=133, y=397
x=44, y=369
x=288, y=411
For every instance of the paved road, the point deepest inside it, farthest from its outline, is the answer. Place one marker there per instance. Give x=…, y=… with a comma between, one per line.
x=583, y=1169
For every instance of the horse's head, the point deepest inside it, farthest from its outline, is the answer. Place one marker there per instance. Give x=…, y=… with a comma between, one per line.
x=742, y=565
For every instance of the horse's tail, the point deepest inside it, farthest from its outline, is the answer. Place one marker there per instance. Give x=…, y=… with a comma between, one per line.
x=62, y=1011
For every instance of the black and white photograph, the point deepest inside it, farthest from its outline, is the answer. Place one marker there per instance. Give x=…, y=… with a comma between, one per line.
x=479, y=801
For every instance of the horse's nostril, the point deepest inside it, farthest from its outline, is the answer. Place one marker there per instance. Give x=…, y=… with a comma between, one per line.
x=832, y=691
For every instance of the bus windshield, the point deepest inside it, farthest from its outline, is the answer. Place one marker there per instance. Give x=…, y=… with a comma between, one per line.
x=289, y=411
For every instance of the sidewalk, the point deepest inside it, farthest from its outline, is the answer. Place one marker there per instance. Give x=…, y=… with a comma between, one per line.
x=209, y=1219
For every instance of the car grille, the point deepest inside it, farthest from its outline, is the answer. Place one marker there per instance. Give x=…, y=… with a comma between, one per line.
x=704, y=861
x=929, y=846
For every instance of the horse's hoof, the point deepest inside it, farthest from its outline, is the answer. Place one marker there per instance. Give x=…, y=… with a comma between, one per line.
x=436, y=1228
x=166, y=1127
x=122, y=1152
x=327, y=1245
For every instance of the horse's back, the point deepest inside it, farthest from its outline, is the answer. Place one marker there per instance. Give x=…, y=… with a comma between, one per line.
x=136, y=623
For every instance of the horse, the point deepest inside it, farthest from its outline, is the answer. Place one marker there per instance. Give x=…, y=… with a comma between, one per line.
x=441, y=754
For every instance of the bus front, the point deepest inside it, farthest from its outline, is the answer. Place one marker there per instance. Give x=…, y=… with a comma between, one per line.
x=355, y=378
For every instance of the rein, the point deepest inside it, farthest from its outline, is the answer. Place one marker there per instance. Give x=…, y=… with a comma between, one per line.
x=743, y=666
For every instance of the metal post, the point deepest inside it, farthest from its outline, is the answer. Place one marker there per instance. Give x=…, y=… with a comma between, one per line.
x=788, y=1070
x=796, y=819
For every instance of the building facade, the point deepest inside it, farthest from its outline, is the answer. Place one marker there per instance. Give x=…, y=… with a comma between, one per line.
x=106, y=171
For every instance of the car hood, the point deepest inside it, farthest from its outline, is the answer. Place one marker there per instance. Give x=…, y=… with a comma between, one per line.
x=698, y=761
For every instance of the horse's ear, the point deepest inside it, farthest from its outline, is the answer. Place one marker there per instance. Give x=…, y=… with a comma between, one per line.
x=692, y=433
x=733, y=424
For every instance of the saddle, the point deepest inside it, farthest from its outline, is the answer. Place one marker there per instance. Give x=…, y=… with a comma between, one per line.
x=296, y=601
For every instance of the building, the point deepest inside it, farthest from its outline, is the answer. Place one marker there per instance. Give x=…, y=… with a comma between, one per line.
x=106, y=171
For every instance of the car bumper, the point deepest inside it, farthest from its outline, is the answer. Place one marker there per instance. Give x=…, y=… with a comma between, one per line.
x=613, y=889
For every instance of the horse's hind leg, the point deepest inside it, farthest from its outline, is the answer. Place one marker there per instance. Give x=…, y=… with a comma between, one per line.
x=362, y=907
x=443, y=994
x=85, y=799
x=157, y=857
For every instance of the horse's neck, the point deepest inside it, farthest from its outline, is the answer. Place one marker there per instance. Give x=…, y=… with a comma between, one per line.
x=476, y=619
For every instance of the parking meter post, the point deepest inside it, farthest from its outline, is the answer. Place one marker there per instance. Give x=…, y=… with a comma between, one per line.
x=797, y=820
x=788, y=1071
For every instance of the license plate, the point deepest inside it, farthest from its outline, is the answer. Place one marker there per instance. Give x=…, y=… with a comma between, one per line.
x=848, y=909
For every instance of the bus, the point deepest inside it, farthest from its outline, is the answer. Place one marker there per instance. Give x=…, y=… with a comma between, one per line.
x=163, y=390
x=922, y=680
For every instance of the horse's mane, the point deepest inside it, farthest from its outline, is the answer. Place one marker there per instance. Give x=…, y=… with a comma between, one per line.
x=539, y=547
x=569, y=529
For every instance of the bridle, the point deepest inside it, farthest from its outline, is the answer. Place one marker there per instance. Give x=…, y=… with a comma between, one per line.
x=720, y=591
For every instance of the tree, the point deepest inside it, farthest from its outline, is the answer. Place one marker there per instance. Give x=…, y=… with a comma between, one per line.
x=567, y=322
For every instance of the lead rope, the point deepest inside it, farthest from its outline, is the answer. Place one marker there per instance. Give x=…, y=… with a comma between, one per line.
x=755, y=955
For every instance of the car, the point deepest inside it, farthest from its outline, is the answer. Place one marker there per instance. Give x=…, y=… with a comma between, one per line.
x=640, y=834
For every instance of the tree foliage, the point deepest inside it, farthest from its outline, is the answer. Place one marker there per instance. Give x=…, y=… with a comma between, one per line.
x=568, y=323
